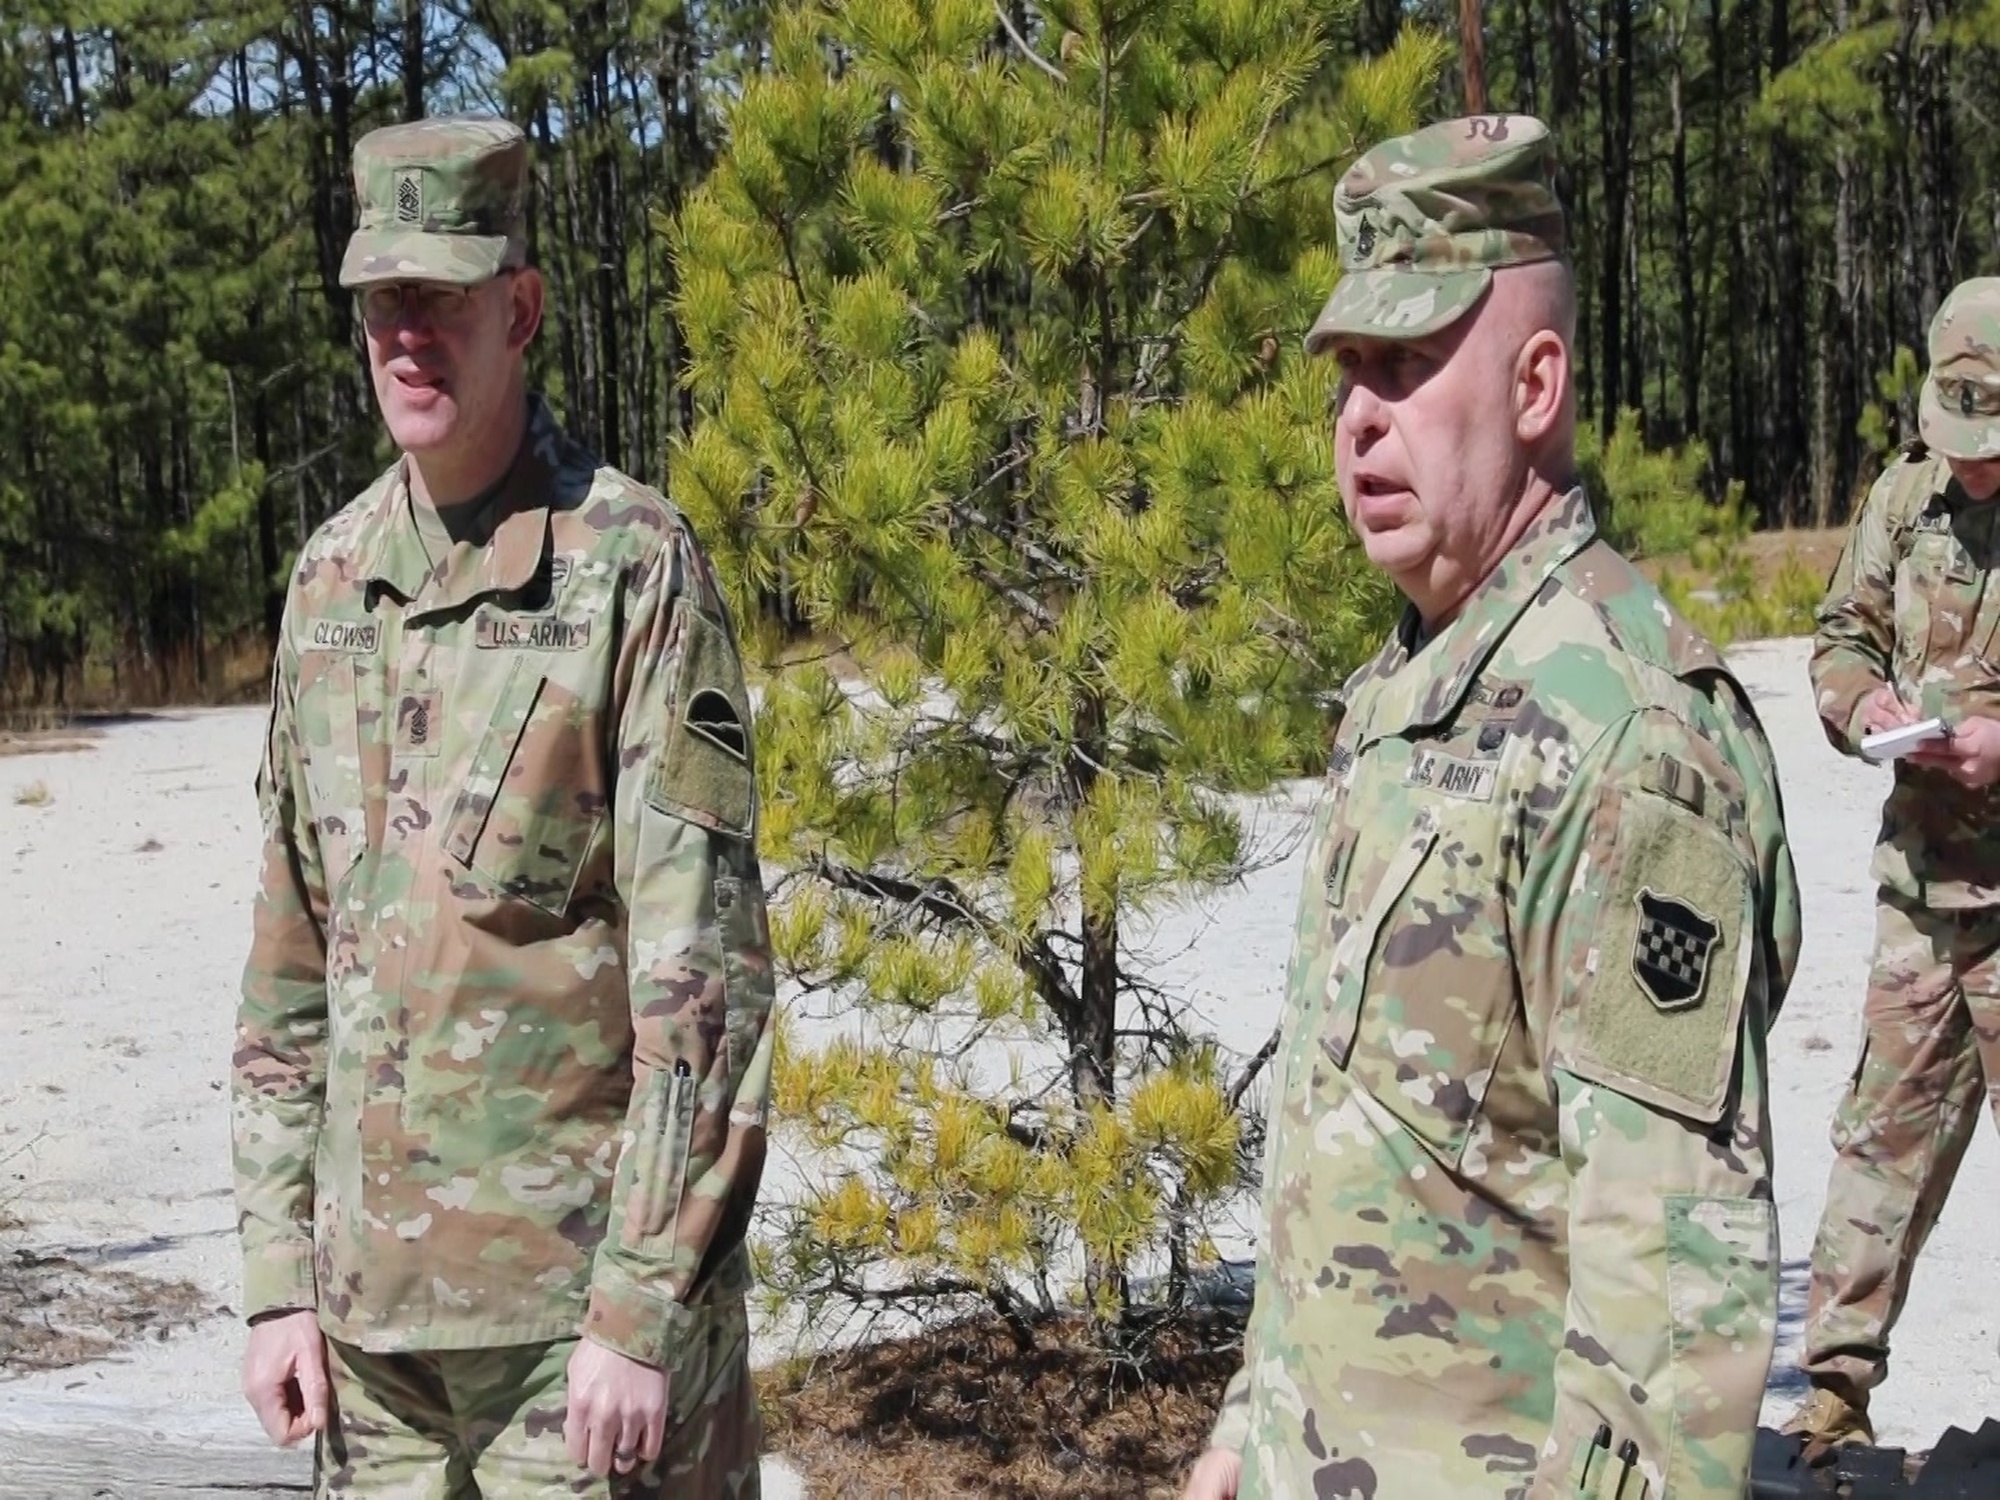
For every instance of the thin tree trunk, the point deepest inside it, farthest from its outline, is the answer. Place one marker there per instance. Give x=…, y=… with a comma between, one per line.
x=1677, y=169
x=1472, y=55
x=1791, y=335
x=1093, y=1044
x=413, y=59
x=1614, y=157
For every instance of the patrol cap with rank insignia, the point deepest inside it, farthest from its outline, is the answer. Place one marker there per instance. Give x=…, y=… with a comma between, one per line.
x=443, y=199
x=1959, y=410
x=1426, y=218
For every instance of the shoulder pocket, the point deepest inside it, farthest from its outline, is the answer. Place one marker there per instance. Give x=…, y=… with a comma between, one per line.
x=1660, y=1002
x=705, y=772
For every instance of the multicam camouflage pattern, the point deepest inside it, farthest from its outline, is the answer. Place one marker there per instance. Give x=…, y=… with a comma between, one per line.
x=1930, y=1051
x=1910, y=604
x=1958, y=411
x=1517, y=1181
x=504, y=1057
x=489, y=1422
x=1424, y=219
x=443, y=199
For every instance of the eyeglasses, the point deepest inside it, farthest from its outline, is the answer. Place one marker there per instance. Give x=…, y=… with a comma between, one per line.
x=437, y=303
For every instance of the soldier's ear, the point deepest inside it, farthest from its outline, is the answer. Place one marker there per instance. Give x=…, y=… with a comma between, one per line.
x=525, y=296
x=1541, y=386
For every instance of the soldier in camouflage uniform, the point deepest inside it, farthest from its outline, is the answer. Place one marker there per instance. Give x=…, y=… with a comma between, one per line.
x=503, y=1059
x=1520, y=1237
x=1911, y=628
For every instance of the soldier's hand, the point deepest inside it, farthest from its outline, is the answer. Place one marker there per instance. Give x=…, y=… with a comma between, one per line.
x=284, y=1376
x=1216, y=1476
x=1882, y=709
x=1971, y=757
x=617, y=1415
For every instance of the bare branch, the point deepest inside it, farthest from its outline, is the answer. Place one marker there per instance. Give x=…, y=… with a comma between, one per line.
x=1028, y=52
x=1252, y=1068
x=945, y=903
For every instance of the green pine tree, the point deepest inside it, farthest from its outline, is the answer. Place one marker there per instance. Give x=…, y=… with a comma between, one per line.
x=994, y=331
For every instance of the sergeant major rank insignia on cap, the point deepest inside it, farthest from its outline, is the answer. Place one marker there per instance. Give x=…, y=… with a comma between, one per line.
x=409, y=196
x=1671, y=950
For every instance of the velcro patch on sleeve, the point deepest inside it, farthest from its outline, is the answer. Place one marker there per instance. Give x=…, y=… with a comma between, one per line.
x=1660, y=1000
x=705, y=772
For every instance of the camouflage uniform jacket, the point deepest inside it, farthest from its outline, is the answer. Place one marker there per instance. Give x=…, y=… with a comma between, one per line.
x=1517, y=1181
x=1913, y=602
x=503, y=1058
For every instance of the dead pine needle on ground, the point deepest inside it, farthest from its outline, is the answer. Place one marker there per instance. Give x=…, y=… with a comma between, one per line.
x=60, y=1308
x=964, y=1411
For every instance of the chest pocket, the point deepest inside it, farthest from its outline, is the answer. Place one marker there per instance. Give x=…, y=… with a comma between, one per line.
x=1422, y=993
x=329, y=727
x=1937, y=597
x=532, y=801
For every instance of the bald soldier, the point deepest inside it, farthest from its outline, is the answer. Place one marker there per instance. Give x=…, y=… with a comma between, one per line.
x=1519, y=1237
x=1911, y=628
x=503, y=1058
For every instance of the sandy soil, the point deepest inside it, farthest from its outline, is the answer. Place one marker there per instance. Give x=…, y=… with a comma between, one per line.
x=124, y=900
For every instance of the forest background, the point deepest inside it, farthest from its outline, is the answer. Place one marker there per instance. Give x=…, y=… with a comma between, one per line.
x=967, y=333
x=1769, y=197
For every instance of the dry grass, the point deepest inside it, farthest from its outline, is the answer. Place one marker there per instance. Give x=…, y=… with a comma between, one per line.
x=57, y=1310
x=238, y=672
x=40, y=744
x=60, y=1308
x=34, y=794
x=1815, y=550
x=964, y=1412
x=43, y=731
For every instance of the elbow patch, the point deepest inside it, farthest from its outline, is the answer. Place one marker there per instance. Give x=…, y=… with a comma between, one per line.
x=1657, y=1008
x=705, y=772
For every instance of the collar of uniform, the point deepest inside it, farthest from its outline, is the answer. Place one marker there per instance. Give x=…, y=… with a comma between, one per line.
x=390, y=551
x=507, y=561
x=1420, y=691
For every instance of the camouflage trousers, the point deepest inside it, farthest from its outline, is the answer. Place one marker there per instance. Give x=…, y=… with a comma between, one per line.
x=1930, y=1051
x=466, y=1424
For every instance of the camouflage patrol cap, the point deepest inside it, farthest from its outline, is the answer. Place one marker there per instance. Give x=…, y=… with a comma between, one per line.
x=1425, y=218
x=443, y=199
x=1959, y=410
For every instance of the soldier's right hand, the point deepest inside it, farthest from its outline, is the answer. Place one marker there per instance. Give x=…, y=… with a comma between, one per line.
x=1883, y=709
x=1216, y=1476
x=284, y=1376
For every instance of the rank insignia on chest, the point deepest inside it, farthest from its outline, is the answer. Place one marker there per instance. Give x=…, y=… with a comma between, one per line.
x=1671, y=950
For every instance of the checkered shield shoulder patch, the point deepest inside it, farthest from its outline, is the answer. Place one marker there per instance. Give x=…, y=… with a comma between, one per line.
x=1671, y=949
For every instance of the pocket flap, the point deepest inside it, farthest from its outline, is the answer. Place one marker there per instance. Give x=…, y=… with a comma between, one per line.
x=1357, y=946
x=1661, y=1002
x=706, y=770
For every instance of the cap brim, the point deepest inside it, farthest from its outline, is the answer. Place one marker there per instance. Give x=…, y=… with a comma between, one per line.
x=1395, y=304
x=459, y=259
x=1952, y=433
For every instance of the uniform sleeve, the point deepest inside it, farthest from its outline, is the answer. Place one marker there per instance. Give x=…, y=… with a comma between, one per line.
x=1232, y=1419
x=278, y=1075
x=698, y=962
x=1645, y=938
x=1854, y=646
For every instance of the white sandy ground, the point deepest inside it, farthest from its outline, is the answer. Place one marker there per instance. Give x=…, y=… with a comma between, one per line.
x=118, y=974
